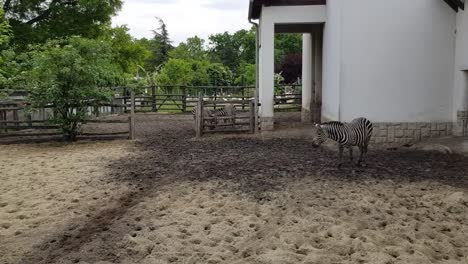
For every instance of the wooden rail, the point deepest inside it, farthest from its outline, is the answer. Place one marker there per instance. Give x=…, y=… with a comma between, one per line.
x=43, y=127
x=204, y=124
x=183, y=98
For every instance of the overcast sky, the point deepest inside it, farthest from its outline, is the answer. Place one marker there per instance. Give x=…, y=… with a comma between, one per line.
x=184, y=18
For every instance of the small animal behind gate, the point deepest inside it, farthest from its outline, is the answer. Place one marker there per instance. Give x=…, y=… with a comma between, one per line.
x=357, y=133
x=206, y=113
x=228, y=110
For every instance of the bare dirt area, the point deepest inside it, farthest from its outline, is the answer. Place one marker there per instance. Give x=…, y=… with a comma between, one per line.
x=271, y=198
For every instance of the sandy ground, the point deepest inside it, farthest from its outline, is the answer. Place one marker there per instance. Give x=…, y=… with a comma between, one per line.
x=170, y=198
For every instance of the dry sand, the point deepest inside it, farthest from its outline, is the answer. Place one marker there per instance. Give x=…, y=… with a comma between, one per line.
x=168, y=198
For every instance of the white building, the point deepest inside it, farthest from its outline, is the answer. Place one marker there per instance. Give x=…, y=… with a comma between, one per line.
x=403, y=64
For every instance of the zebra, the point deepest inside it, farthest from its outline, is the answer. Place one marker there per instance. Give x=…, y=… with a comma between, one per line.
x=356, y=133
x=206, y=113
x=228, y=110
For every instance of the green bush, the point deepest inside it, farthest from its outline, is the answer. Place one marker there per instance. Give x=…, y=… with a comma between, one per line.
x=71, y=75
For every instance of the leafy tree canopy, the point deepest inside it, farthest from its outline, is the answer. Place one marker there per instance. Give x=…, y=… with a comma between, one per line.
x=286, y=44
x=159, y=45
x=247, y=74
x=192, y=49
x=175, y=72
x=35, y=21
x=128, y=52
x=5, y=31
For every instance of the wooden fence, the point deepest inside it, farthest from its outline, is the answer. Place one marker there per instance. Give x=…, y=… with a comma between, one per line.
x=17, y=121
x=184, y=98
x=238, y=122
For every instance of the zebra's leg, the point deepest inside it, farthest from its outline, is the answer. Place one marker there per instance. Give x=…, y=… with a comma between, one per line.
x=351, y=153
x=361, y=154
x=340, y=157
x=212, y=124
x=364, y=155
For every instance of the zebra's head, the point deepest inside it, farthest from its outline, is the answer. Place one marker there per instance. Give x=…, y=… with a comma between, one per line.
x=320, y=136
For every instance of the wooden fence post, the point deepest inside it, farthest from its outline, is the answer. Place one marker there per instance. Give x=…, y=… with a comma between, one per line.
x=16, y=116
x=215, y=96
x=252, y=116
x=184, y=98
x=125, y=99
x=243, y=96
x=199, y=122
x=96, y=111
x=29, y=118
x=3, y=118
x=132, y=118
x=112, y=109
x=153, y=98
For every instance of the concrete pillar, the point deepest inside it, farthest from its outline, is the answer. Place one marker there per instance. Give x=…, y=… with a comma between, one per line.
x=460, y=92
x=266, y=75
x=307, y=78
x=317, y=85
x=460, y=127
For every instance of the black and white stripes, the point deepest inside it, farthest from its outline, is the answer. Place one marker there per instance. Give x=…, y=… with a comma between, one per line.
x=356, y=133
x=228, y=110
x=227, y=113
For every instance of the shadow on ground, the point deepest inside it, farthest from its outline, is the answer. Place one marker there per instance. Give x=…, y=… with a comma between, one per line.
x=251, y=167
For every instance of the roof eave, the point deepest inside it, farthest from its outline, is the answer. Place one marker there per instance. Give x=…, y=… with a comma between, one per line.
x=254, y=10
x=456, y=4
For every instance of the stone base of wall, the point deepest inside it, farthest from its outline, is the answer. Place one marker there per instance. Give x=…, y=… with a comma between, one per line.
x=409, y=132
x=461, y=126
x=311, y=116
x=306, y=116
x=316, y=113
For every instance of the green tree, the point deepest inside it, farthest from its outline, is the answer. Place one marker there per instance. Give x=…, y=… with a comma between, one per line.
x=159, y=45
x=219, y=75
x=5, y=31
x=247, y=45
x=286, y=44
x=247, y=74
x=175, y=72
x=71, y=75
x=148, y=44
x=199, y=72
x=192, y=73
x=233, y=49
x=225, y=49
x=192, y=49
x=35, y=21
x=7, y=66
x=128, y=53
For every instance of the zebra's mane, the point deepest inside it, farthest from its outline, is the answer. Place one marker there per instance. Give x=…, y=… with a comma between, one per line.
x=335, y=123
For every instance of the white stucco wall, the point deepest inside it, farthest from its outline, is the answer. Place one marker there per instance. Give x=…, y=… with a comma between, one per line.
x=307, y=72
x=460, y=94
x=390, y=61
x=397, y=60
x=332, y=61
